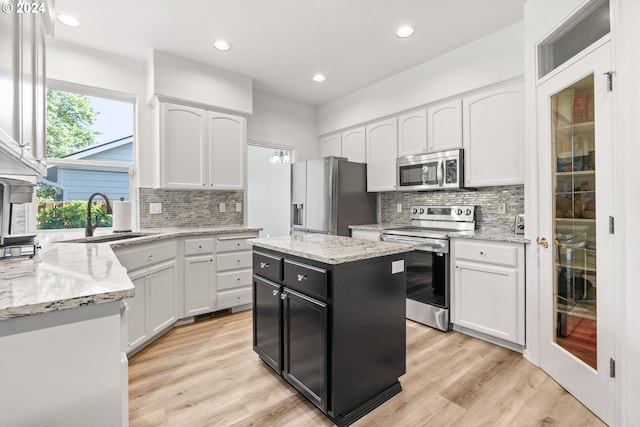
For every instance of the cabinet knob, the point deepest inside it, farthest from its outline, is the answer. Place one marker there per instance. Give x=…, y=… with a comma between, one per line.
x=481, y=252
x=275, y=292
x=264, y=264
x=199, y=246
x=283, y=295
x=302, y=277
x=237, y=244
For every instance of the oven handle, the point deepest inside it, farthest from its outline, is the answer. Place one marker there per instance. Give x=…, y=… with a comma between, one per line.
x=440, y=247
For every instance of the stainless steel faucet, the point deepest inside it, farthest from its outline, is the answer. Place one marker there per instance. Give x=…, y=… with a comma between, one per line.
x=90, y=226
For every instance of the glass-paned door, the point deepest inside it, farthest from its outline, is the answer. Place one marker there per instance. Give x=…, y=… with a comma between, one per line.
x=574, y=222
x=576, y=249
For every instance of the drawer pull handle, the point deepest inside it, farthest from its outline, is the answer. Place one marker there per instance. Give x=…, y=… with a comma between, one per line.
x=302, y=277
x=264, y=265
x=275, y=292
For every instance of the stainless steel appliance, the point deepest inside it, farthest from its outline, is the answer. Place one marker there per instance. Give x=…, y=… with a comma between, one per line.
x=328, y=195
x=428, y=276
x=12, y=245
x=442, y=170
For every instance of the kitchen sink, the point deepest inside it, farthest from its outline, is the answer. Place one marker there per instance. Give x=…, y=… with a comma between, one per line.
x=106, y=238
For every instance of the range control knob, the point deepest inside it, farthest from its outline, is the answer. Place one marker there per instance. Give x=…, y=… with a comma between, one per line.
x=467, y=212
x=458, y=211
x=421, y=211
x=414, y=211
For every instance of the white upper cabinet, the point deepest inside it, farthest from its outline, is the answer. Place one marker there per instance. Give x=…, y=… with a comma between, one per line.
x=227, y=144
x=412, y=133
x=444, y=126
x=184, y=146
x=353, y=145
x=493, y=135
x=22, y=105
x=201, y=149
x=382, y=151
x=331, y=145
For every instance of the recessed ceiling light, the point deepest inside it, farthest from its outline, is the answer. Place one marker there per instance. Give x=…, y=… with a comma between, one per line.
x=222, y=45
x=406, y=31
x=318, y=78
x=68, y=20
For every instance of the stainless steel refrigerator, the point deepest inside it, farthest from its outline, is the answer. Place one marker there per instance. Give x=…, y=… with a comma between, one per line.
x=328, y=195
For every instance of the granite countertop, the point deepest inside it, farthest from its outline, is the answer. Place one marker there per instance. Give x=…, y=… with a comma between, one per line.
x=497, y=235
x=69, y=275
x=330, y=249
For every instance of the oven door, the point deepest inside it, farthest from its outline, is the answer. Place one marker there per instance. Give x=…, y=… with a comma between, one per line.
x=428, y=278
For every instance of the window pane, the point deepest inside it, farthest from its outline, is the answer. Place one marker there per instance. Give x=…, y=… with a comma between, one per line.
x=586, y=29
x=83, y=132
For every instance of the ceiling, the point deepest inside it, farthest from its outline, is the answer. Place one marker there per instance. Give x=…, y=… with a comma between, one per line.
x=281, y=44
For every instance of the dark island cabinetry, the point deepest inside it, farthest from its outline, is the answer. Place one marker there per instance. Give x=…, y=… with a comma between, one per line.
x=335, y=332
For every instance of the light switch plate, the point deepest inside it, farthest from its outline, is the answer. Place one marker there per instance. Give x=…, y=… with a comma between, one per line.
x=155, y=208
x=223, y=207
x=238, y=207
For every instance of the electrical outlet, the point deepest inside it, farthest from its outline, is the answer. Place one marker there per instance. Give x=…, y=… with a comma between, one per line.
x=399, y=207
x=238, y=207
x=223, y=207
x=502, y=208
x=155, y=208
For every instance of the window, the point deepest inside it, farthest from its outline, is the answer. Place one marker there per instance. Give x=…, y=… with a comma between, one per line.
x=89, y=150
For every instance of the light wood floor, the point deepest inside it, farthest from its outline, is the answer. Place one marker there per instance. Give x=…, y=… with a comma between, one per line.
x=206, y=374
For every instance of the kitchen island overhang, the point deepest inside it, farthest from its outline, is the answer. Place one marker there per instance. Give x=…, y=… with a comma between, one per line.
x=329, y=317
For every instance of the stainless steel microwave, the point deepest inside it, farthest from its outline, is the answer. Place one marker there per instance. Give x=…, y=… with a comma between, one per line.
x=442, y=170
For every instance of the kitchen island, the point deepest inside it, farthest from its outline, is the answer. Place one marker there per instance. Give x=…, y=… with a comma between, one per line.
x=329, y=316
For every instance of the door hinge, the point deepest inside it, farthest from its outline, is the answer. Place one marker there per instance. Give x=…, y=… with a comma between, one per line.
x=612, y=228
x=609, y=75
x=612, y=368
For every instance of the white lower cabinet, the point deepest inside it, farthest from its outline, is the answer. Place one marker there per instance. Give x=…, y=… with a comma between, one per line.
x=153, y=309
x=213, y=272
x=199, y=276
x=233, y=266
x=152, y=268
x=488, y=291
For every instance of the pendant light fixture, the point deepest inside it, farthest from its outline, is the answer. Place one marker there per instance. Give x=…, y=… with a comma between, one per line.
x=280, y=157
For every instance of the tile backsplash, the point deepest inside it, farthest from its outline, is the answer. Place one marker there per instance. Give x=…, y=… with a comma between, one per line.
x=190, y=208
x=486, y=199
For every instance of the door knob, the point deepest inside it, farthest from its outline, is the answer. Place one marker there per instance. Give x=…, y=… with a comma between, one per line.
x=542, y=242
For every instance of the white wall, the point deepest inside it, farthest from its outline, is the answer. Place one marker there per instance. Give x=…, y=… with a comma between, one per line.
x=284, y=122
x=268, y=192
x=182, y=79
x=486, y=61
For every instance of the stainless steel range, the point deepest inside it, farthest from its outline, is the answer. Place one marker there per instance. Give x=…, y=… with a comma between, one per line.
x=428, y=281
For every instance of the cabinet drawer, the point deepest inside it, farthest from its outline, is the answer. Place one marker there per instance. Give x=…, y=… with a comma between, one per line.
x=267, y=266
x=305, y=278
x=233, y=298
x=233, y=279
x=198, y=246
x=146, y=255
x=233, y=243
x=234, y=261
x=487, y=252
